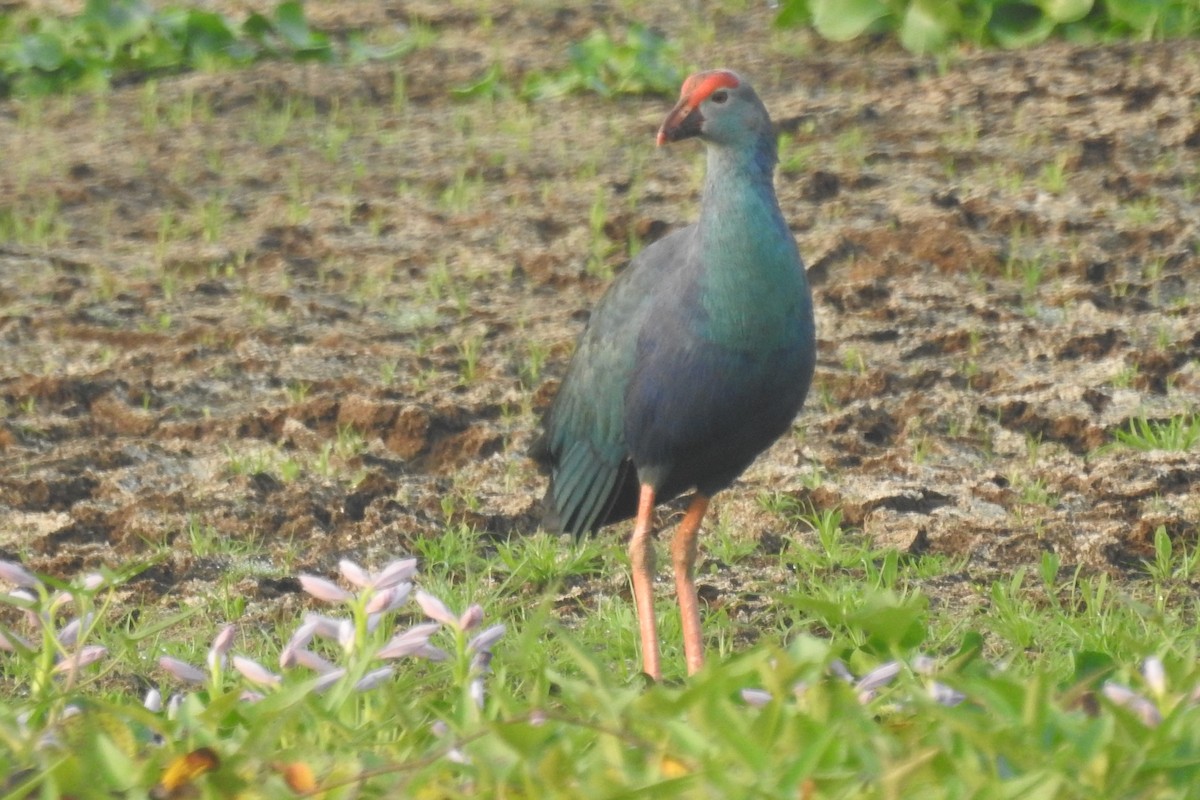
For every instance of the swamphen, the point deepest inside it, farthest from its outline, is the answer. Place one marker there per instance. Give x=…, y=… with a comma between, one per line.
x=696, y=359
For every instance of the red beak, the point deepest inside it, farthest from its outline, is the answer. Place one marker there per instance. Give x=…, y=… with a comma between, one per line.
x=683, y=122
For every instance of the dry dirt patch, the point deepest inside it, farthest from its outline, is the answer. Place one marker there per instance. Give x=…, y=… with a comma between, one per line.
x=291, y=306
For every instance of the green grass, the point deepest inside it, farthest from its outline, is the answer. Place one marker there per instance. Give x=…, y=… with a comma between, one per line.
x=802, y=713
x=1178, y=433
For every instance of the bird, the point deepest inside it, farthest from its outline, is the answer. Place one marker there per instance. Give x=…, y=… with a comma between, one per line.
x=696, y=359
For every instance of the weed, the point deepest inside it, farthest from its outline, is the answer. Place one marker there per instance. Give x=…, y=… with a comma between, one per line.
x=1053, y=177
x=1179, y=433
x=795, y=159
x=1141, y=211
x=643, y=63
x=469, y=350
x=599, y=246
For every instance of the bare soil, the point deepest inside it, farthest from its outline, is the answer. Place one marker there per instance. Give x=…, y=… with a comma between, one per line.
x=296, y=308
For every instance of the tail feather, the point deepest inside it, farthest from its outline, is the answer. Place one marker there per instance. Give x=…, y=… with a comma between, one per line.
x=581, y=483
x=587, y=492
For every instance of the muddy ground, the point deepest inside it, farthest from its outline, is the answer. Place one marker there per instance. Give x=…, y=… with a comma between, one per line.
x=317, y=310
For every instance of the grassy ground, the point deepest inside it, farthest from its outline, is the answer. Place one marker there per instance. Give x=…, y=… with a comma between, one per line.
x=259, y=323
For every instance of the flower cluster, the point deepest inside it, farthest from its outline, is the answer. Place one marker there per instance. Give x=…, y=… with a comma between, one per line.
x=868, y=686
x=1147, y=709
x=375, y=595
x=41, y=608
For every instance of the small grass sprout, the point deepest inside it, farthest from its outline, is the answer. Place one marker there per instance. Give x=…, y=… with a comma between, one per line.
x=1178, y=433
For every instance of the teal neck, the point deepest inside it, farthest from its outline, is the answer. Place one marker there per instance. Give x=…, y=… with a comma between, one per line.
x=754, y=290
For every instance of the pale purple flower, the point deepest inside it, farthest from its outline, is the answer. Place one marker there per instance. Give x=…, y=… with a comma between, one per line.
x=27, y=601
x=354, y=574
x=93, y=581
x=839, y=668
x=868, y=685
x=223, y=641
x=388, y=599
x=304, y=634
x=924, y=665
x=471, y=618
x=435, y=609
x=58, y=600
x=328, y=679
x=372, y=679
x=346, y=634
x=1125, y=697
x=251, y=696
x=756, y=697
x=394, y=574
x=17, y=575
x=409, y=642
x=254, y=672
x=69, y=634
x=313, y=661
x=81, y=658
x=182, y=670
x=944, y=695
x=153, y=702
x=431, y=652
x=325, y=627
x=10, y=642
x=1155, y=675
x=174, y=703
x=483, y=641
x=325, y=590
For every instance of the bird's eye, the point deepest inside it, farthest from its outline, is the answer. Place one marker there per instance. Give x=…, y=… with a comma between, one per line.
x=720, y=96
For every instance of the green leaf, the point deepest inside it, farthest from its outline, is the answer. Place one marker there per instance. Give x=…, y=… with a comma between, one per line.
x=117, y=22
x=487, y=86
x=843, y=20
x=42, y=51
x=793, y=14
x=1065, y=10
x=257, y=26
x=1140, y=15
x=1091, y=665
x=928, y=25
x=1019, y=25
x=207, y=36
x=112, y=761
x=292, y=27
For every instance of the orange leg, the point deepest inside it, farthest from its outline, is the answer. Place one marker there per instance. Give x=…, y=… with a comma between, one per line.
x=641, y=559
x=683, y=559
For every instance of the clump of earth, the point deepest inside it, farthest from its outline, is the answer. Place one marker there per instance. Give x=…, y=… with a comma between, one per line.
x=318, y=309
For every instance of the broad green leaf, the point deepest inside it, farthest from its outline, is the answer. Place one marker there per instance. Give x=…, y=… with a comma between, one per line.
x=1140, y=15
x=1019, y=25
x=117, y=22
x=1091, y=666
x=292, y=26
x=929, y=24
x=112, y=760
x=1065, y=10
x=793, y=14
x=43, y=51
x=843, y=20
x=207, y=35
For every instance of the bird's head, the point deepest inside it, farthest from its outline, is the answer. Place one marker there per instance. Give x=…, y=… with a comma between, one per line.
x=717, y=106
